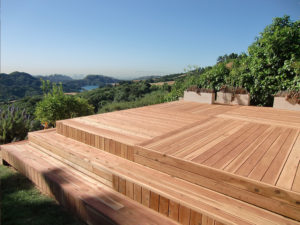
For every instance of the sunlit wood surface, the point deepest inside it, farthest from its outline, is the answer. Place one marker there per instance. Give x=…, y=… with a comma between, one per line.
x=194, y=163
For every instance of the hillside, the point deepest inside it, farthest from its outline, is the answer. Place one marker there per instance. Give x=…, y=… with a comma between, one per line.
x=17, y=85
x=147, y=77
x=97, y=80
x=56, y=78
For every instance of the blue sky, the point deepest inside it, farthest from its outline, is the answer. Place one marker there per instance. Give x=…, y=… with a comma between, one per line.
x=129, y=38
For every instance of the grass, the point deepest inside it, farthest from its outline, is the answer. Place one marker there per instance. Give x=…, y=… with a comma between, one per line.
x=22, y=203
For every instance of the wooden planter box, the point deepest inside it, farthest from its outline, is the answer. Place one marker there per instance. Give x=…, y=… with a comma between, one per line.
x=241, y=99
x=282, y=103
x=224, y=98
x=192, y=96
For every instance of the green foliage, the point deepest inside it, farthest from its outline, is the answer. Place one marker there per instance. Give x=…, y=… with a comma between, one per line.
x=274, y=59
x=125, y=91
x=57, y=106
x=15, y=124
x=27, y=103
x=154, y=97
x=165, y=78
x=17, y=85
x=226, y=58
x=215, y=77
x=273, y=64
x=239, y=75
x=208, y=78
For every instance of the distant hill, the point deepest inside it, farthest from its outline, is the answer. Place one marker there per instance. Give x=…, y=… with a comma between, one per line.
x=165, y=78
x=147, y=77
x=56, y=78
x=17, y=85
x=97, y=80
x=156, y=78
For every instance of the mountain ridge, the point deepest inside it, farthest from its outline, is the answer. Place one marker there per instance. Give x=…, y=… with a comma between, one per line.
x=17, y=84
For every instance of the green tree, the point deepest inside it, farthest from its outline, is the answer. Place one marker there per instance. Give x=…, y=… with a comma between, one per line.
x=274, y=59
x=226, y=57
x=57, y=106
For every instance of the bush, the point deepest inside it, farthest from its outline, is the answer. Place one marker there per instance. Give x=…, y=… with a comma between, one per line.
x=57, y=106
x=274, y=59
x=15, y=124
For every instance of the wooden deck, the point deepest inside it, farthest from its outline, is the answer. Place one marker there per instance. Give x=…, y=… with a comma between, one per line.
x=208, y=161
x=258, y=143
x=249, y=153
x=91, y=200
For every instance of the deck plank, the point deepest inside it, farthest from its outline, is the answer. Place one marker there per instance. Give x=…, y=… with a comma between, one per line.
x=238, y=161
x=262, y=166
x=234, y=144
x=296, y=183
x=212, y=151
x=255, y=157
x=273, y=172
x=231, y=155
x=288, y=173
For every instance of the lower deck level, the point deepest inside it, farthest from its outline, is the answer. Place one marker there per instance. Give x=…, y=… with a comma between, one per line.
x=238, y=154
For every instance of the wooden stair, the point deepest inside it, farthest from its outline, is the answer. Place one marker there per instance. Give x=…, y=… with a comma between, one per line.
x=268, y=196
x=139, y=166
x=180, y=200
x=91, y=200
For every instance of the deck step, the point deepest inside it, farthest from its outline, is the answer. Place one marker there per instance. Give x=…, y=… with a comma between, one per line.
x=254, y=160
x=92, y=201
x=181, y=200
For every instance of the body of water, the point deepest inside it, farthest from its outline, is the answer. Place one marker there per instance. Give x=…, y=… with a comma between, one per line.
x=89, y=87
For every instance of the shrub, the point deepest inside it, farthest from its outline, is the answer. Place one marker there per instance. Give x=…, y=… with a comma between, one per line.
x=57, y=106
x=15, y=124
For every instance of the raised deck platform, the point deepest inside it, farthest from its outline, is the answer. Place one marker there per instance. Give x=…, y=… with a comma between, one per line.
x=211, y=161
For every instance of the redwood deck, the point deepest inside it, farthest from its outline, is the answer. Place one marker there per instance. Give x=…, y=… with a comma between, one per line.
x=229, y=159
x=262, y=144
x=249, y=153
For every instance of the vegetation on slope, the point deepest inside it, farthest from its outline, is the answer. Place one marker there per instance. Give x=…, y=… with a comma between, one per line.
x=18, y=85
x=124, y=92
x=271, y=65
x=15, y=123
x=152, y=98
x=55, y=105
